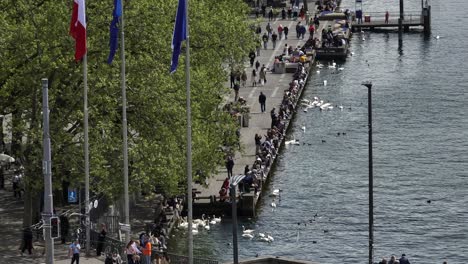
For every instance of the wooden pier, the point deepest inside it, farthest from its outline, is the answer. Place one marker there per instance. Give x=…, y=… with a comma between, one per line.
x=375, y=20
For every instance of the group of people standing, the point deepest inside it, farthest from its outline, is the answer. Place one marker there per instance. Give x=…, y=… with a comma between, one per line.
x=393, y=260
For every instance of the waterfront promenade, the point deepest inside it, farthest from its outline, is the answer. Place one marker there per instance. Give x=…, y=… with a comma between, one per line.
x=259, y=122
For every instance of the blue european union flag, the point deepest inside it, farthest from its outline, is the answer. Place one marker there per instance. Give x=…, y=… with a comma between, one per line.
x=180, y=34
x=114, y=30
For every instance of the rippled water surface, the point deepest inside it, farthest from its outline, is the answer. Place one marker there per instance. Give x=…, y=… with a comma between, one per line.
x=420, y=127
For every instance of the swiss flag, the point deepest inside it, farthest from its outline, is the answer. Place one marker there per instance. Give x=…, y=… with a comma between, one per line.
x=78, y=28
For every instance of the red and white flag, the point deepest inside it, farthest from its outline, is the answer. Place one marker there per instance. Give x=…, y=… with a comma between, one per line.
x=78, y=28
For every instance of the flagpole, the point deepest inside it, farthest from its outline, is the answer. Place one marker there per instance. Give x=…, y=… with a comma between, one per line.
x=189, y=136
x=124, y=123
x=86, y=150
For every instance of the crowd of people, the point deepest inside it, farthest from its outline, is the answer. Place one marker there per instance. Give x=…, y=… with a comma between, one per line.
x=266, y=146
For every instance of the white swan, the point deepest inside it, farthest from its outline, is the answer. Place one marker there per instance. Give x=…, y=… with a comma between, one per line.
x=341, y=68
x=247, y=231
x=261, y=235
x=207, y=226
x=270, y=238
x=303, y=129
x=340, y=107
x=273, y=204
x=217, y=220
x=324, y=82
x=292, y=142
x=325, y=106
x=249, y=236
x=276, y=192
x=183, y=224
x=264, y=239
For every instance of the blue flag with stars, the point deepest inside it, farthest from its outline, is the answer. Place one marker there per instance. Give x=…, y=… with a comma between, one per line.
x=114, y=30
x=180, y=34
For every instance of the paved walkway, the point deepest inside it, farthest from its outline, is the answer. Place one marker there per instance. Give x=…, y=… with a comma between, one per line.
x=11, y=219
x=273, y=89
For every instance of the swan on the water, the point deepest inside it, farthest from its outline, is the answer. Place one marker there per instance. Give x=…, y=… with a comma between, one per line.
x=292, y=142
x=249, y=236
x=247, y=231
x=216, y=219
x=270, y=238
x=276, y=192
x=273, y=204
x=303, y=128
x=324, y=82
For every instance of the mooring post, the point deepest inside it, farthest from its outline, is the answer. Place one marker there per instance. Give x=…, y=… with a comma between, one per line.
x=400, y=25
x=427, y=19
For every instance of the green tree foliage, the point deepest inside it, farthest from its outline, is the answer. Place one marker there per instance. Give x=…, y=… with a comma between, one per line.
x=34, y=43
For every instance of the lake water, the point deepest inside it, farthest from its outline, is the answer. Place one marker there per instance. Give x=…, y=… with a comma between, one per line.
x=420, y=127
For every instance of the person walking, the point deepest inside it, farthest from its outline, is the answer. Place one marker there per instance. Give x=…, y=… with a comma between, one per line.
x=243, y=78
x=252, y=58
x=265, y=40
x=236, y=90
x=233, y=78
x=262, y=101
x=270, y=14
x=262, y=74
x=257, y=65
x=254, y=78
x=386, y=17
x=229, y=165
x=311, y=30
x=280, y=31
x=101, y=240
x=74, y=251
x=285, y=30
x=298, y=29
x=27, y=241
x=403, y=259
x=274, y=37
x=283, y=14
x=269, y=29
x=16, y=185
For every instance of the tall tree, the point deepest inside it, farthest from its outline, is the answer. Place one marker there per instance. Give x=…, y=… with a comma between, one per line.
x=34, y=43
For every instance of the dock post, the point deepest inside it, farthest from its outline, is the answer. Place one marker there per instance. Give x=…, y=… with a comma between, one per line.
x=426, y=12
x=400, y=26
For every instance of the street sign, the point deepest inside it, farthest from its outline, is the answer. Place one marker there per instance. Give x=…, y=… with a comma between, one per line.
x=124, y=227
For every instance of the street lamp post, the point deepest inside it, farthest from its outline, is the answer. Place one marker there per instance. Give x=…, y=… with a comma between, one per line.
x=234, y=182
x=371, y=177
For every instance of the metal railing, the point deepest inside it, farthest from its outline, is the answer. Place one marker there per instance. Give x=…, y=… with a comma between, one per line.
x=410, y=17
